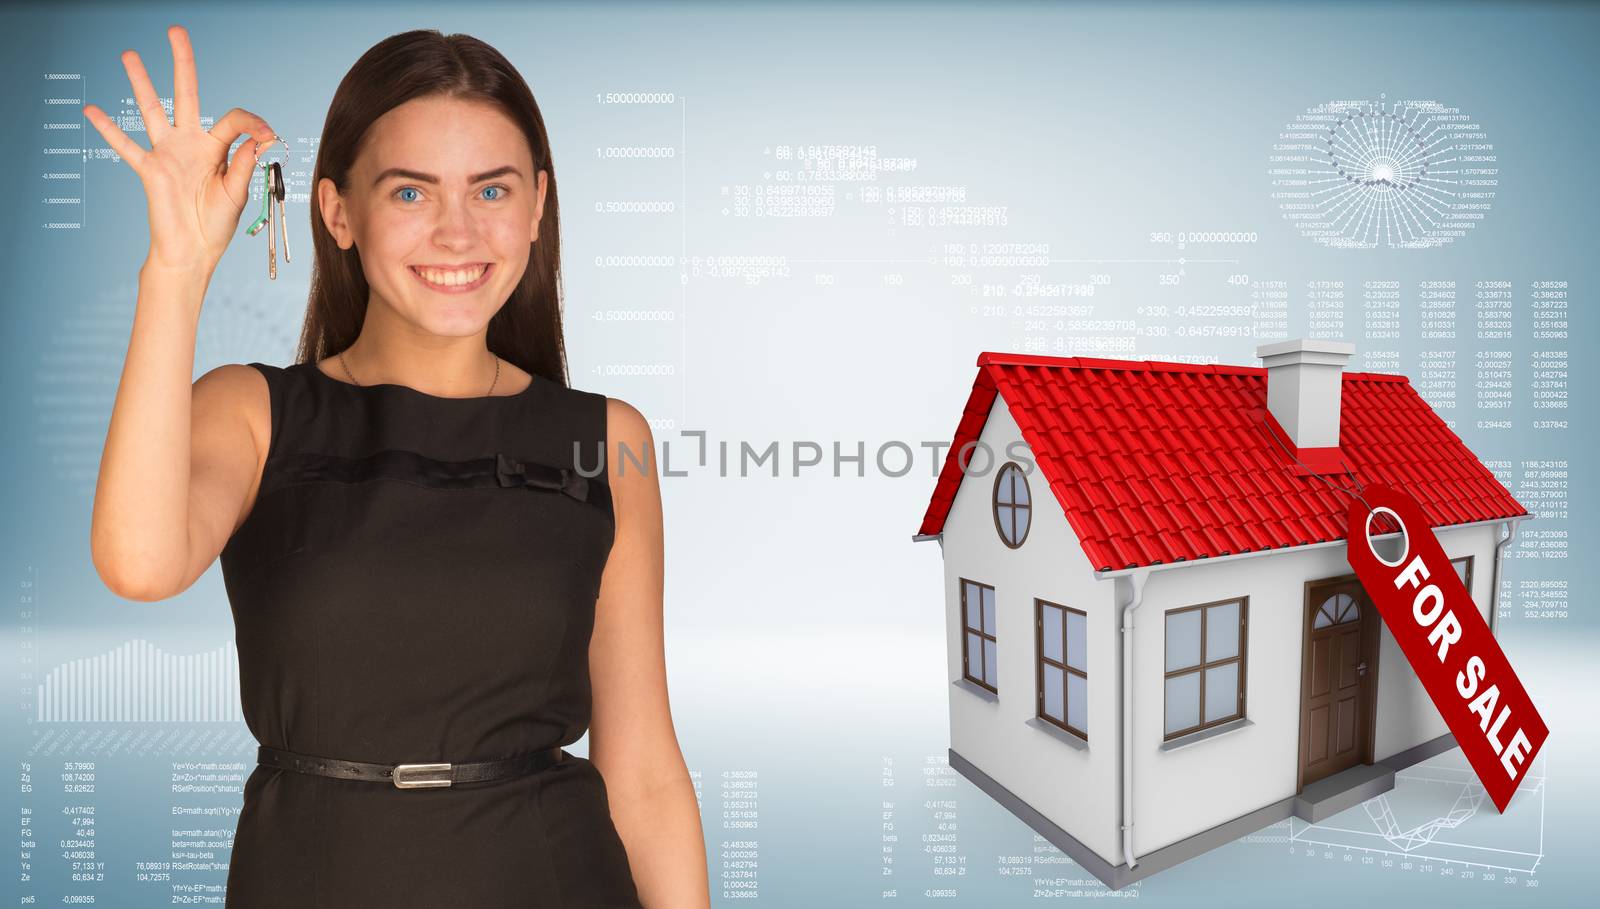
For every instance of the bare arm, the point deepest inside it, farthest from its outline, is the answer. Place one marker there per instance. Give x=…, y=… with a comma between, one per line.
x=180, y=461
x=631, y=738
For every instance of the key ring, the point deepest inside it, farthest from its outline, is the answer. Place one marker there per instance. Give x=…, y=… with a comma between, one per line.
x=273, y=193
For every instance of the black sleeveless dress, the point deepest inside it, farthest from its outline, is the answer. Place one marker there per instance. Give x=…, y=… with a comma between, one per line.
x=416, y=582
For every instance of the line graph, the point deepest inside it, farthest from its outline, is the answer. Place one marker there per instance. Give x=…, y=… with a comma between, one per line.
x=1433, y=814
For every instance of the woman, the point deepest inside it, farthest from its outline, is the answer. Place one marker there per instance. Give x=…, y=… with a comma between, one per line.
x=435, y=584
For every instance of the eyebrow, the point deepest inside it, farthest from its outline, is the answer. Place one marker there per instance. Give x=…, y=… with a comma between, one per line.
x=431, y=178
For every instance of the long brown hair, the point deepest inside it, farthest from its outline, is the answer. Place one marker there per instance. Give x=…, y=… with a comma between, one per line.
x=424, y=62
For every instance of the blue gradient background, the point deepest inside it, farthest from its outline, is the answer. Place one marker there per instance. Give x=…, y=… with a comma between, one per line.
x=804, y=630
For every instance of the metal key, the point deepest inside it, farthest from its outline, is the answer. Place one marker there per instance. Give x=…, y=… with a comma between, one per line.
x=272, y=215
x=283, y=223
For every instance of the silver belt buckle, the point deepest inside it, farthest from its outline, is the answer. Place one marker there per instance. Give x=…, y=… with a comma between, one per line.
x=401, y=769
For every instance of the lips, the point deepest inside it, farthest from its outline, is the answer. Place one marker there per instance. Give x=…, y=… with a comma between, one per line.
x=455, y=288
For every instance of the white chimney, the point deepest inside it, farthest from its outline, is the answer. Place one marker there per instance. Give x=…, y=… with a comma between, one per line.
x=1305, y=379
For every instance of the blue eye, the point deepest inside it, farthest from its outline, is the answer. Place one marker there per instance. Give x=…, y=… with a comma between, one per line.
x=502, y=190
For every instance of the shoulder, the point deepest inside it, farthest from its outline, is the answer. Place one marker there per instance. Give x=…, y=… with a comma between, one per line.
x=235, y=376
x=235, y=387
x=624, y=422
x=630, y=457
x=232, y=392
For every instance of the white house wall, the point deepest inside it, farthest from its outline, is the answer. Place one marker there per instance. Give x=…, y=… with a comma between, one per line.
x=1181, y=792
x=1076, y=788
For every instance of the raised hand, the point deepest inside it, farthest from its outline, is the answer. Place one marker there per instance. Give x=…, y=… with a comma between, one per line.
x=194, y=193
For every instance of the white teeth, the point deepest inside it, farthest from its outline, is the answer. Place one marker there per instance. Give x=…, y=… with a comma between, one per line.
x=450, y=278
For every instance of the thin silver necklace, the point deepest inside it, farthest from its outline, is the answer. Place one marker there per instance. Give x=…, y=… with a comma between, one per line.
x=491, y=384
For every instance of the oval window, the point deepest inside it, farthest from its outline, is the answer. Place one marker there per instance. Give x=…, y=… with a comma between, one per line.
x=1012, y=504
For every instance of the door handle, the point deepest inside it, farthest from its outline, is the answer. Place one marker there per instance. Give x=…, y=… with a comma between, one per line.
x=1361, y=668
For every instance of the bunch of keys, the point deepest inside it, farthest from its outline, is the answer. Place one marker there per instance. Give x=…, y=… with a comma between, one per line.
x=272, y=193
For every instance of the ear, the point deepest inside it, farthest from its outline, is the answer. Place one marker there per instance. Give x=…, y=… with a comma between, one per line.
x=334, y=215
x=538, y=204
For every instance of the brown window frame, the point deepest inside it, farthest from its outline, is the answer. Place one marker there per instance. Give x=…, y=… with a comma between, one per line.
x=995, y=504
x=1203, y=665
x=1467, y=575
x=966, y=657
x=1040, y=661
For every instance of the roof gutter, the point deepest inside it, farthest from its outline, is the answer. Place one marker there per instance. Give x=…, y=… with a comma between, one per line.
x=1123, y=572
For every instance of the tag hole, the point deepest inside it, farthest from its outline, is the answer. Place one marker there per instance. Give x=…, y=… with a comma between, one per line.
x=1379, y=548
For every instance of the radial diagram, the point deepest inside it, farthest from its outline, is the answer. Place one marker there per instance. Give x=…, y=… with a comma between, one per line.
x=1360, y=174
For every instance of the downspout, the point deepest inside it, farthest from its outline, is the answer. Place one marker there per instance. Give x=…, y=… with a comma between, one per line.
x=1125, y=695
x=1494, y=574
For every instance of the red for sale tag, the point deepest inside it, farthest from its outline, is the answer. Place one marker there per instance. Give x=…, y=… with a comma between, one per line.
x=1450, y=647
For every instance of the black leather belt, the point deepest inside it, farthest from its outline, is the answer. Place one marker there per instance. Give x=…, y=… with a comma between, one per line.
x=411, y=776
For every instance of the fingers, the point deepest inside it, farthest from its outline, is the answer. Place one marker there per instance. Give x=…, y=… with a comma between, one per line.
x=233, y=124
x=130, y=150
x=242, y=170
x=240, y=122
x=155, y=116
x=185, y=85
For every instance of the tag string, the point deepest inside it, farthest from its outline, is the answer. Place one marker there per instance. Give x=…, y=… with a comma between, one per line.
x=1353, y=491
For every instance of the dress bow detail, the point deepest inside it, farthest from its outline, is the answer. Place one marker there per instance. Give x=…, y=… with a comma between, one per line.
x=513, y=472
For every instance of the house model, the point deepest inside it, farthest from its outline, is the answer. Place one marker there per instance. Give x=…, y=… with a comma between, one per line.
x=1156, y=644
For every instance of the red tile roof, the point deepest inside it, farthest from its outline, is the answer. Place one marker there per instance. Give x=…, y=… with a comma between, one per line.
x=1160, y=462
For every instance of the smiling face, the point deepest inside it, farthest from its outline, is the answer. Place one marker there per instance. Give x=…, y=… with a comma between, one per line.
x=442, y=204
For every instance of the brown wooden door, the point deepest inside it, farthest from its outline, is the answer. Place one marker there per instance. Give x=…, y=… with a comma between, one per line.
x=1340, y=670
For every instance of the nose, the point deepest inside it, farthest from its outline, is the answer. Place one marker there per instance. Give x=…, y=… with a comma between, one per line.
x=455, y=228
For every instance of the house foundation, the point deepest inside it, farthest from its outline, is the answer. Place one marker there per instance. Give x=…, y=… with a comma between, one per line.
x=1320, y=800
